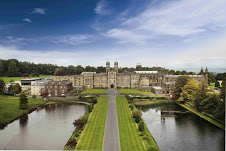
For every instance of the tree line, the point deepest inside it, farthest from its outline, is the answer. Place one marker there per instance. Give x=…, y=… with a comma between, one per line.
x=190, y=92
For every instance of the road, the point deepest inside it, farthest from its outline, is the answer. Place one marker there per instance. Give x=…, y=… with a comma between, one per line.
x=111, y=135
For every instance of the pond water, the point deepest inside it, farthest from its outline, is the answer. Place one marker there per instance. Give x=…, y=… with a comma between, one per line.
x=182, y=131
x=47, y=128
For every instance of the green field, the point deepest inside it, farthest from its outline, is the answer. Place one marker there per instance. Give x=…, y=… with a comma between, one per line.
x=94, y=91
x=128, y=132
x=203, y=116
x=149, y=103
x=8, y=79
x=132, y=91
x=93, y=135
x=10, y=108
x=211, y=85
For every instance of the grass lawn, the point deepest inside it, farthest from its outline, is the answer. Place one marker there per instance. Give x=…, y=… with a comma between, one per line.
x=128, y=132
x=146, y=102
x=10, y=108
x=93, y=135
x=94, y=91
x=8, y=79
x=132, y=91
x=211, y=85
x=203, y=116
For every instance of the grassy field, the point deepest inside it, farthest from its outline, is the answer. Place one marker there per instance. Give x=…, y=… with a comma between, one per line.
x=128, y=132
x=10, y=108
x=148, y=103
x=211, y=85
x=132, y=91
x=8, y=79
x=203, y=116
x=94, y=91
x=93, y=134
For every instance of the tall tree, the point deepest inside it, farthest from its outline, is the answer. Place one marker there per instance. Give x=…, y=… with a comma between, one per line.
x=59, y=72
x=2, y=86
x=23, y=101
x=180, y=83
x=13, y=70
x=223, y=91
x=2, y=72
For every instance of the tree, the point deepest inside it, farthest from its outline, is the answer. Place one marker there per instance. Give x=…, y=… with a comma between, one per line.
x=14, y=89
x=137, y=118
x=189, y=92
x=177, y=73
x=222, y=95
x=180, y=83
x=141, y=126
x=217, y=84
x=210, y=104
x=2, y=72
x=2, y=86
x=71, y=70
x=59, y=72
x=13, y=70
x=33, y=96
x=23, y=101
x=183, y=72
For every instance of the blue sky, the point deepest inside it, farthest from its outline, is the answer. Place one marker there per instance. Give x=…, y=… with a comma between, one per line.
x=173, y=34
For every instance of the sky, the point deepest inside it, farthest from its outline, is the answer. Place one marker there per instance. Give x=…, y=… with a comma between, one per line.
x=167, y=33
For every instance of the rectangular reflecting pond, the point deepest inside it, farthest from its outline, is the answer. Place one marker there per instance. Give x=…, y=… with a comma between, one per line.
x=47, y=128
x=175, y=131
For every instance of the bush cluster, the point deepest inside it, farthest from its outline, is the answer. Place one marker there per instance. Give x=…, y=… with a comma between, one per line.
x=72, y=142
x=90, y=108
x=141, y=126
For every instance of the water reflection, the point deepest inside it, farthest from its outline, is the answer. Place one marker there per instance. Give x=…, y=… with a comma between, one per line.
x=46, y=128
x=182, y=131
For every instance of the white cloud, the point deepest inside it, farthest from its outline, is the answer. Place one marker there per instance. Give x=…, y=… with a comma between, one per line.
x=176, y=18
x=101, y=8
x=27, y=20
x=41, y=11
x=72, y=39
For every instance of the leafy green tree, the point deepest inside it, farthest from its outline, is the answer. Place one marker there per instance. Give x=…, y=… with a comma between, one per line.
x=23, y=100
x=180, y=83
x=33, y=96
x=13, y=70
x=183, y=72
x=220, y=111
x=172, y=72
x=141, y=126
x=71, y=70
x=177, y=73
x=201, y=95
x=189, y=92
x=222, y=95
x=2, y=86
x=137, y=118
x=14, y=89
x=2, y=72
x=210, y=104
x=217, y=84
x=59, y=72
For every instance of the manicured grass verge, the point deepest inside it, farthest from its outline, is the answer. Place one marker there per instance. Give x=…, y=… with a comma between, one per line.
x=150, y=103
x=132, y=91
x=93, y=134
x=203, y=116
x=94, y=91
x=128, y=132
x=8, y=79
x=10, y=108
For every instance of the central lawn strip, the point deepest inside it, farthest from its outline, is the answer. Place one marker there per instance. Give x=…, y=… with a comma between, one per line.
x=93, y=134
x=94, y=91
x=128, y=132
x=133, y=91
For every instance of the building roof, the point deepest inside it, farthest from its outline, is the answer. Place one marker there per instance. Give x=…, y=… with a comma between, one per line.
x=146, y=72
x=40, y=82
x=88, y=73
x=157, y=87
x=32, y=79
x=175, y=76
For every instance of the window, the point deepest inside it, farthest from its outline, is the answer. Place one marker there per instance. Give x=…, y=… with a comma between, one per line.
x=55, y=86
x=48, y=91
x=55, y=91
x=62, y=91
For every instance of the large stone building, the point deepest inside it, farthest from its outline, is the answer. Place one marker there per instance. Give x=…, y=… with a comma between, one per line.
x=142, y=80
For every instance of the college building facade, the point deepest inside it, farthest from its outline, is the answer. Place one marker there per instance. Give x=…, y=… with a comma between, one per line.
x=156, y=81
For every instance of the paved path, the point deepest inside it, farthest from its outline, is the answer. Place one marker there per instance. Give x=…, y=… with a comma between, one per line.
x=111, y=135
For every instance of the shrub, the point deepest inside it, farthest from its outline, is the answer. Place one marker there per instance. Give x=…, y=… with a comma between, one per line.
x=130, y=101
x=145, y=137
x=137, y=118
x=135, y=112
x=33, y=96
x=141, y=126
x=131, y=106
x=79, y=123
x=72, y=142
x=90, y=107
x=152, y=148
x=94, y=100
x=76, y=135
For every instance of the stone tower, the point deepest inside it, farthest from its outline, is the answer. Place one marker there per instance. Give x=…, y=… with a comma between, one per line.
x=116, y=66
x=138, y=67
x=107, y=66
x=206, y=75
